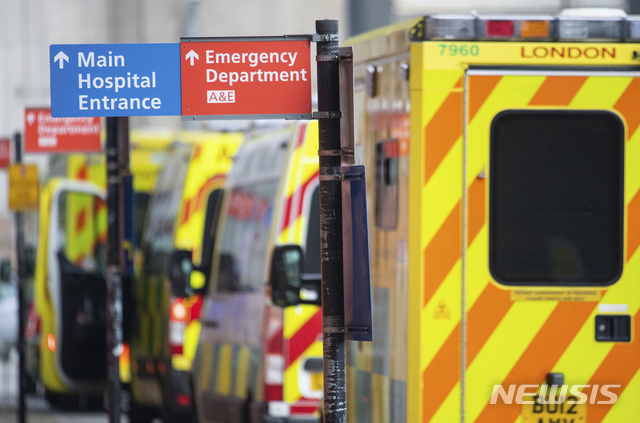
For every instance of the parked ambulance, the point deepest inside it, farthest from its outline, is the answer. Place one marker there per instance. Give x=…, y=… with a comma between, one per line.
x=66, y=329
x=174, y=267
x=259, y=357
x=505, y=229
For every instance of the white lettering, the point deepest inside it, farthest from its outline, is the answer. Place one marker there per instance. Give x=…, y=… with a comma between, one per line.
x=88, y=80
x=85, y=61
x=83, y=102
x=293, y=58
x=507, y=398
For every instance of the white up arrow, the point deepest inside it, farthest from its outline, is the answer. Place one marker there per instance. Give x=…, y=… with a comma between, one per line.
x=61, y=57
x=191, y=56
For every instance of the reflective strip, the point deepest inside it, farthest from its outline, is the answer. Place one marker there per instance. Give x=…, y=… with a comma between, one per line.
x=557, y=90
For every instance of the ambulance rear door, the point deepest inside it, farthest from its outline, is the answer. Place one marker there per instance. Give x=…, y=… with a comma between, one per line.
x=550, y=240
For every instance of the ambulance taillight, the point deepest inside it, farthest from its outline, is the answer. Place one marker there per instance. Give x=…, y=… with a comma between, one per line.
x=178, y=316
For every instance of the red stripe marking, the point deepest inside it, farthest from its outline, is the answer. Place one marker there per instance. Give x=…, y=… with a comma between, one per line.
x=288, y=218
x=541, y=355
x=301, y=409
x=441, y=375
x=633, y=225
x=442, y=131
x=196, y=151
x=274, y=344
x=627, y=105
x=187, y=211
x=303, y=338
x=618, y=368
x=81, y=220
x=301, y=133
x=442, y=253
x=82, y=172
x=480, y=87
x=557, y=90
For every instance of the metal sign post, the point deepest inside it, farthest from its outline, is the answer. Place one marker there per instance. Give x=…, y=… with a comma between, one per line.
x=333, y=331
x=22, y=389
x=117, y=149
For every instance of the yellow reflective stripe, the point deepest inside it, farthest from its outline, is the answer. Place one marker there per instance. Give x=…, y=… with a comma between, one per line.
x=493, y=363
x=449, y=407
x=442, y=193
x=600, y=92
x=437, y=331
x=206, y=359
x=415, y=246
x=191, y=336
x=223, y=374
x=181, y=363
x=244, y=356
x=477, y=280
x=379, y=399
x=296, y=317
x=626, y=408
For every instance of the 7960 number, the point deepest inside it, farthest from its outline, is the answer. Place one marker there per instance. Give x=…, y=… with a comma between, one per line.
x=459, y=49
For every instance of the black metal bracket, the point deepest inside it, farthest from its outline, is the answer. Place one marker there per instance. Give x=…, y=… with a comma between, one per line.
x=326, y=115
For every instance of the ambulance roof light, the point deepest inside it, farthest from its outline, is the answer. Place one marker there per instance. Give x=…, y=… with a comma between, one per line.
x=571, y=25
x=593, y=12
x=450, y=27
x=633, y=33
x=580, y=28
x=514, y=28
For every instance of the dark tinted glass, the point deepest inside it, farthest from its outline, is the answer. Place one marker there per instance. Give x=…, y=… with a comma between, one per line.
x=210, y=227
x=556, y=198
x=387, y=185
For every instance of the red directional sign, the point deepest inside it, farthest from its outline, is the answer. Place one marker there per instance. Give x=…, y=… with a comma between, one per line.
x=46, y=134
x=227, y=79
x=5, y=153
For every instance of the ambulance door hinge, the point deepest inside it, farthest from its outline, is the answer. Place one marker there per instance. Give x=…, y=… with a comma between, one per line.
x=326, y=115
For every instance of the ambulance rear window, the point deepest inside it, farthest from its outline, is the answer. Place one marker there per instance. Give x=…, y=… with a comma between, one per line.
x=556, y=207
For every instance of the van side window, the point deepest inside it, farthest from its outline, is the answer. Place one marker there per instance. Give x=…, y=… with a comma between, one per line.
x=212, y=214
x=387, y=185
x=556, y=205
x=164, y=203
x=245, y=240
x=312, y=246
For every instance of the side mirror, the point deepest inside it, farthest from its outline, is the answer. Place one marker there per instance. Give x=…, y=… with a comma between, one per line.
x=5, y=271
x=180, y=266
x=286, y=275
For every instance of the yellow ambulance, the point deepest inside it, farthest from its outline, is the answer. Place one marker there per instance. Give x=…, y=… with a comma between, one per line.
x=67, y=329
x=506, y=219
x=174, y=267
x=259, y=357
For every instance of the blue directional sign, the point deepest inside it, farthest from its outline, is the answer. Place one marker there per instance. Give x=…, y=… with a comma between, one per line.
x=115, y=80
